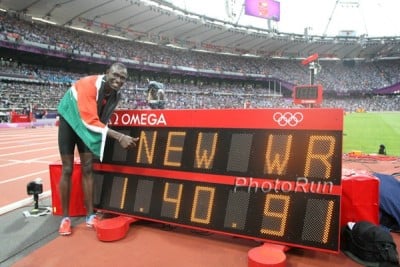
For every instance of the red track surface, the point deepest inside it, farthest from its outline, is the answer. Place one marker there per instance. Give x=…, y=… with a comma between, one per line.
x=25, y=154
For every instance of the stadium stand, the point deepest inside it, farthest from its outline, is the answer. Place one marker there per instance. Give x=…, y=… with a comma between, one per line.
x=38, y=62
x=204, y=81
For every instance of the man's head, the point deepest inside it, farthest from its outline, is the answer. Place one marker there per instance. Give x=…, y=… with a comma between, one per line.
x=116, y=76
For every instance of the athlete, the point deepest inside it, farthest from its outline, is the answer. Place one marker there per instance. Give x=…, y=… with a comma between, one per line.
x=84, y=112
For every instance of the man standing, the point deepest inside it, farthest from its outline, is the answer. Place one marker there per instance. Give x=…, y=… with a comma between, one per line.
x=84, y=112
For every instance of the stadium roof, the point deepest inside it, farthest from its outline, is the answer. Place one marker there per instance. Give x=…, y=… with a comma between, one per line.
x=161, y=22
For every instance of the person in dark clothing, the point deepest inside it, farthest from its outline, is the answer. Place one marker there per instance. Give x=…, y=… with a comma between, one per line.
x=382, y=150
x=156, y=95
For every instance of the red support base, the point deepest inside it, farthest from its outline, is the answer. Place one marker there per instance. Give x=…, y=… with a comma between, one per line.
x=267, y=255
x=113, y=229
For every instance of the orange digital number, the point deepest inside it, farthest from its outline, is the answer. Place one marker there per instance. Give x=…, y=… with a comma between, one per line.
x=327, y=226
x=199, y=204
x=275, y=209
x=123, y=196
x=176, y=200
x=118, y=197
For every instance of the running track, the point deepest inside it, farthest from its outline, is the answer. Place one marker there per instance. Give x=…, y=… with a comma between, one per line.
x=25, y=154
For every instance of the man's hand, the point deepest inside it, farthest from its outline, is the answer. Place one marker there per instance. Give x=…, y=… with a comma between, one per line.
x=127, y=141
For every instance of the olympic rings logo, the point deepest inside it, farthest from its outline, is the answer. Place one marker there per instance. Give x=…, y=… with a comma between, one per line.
x=287, y=118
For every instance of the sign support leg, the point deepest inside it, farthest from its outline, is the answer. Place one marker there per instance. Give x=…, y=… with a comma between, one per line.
x=113, y=229
x=267, y=255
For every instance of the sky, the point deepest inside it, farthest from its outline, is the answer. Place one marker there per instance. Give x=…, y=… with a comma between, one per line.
x=373, y=18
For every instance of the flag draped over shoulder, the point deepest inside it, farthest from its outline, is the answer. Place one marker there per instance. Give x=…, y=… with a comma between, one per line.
x=92, y=132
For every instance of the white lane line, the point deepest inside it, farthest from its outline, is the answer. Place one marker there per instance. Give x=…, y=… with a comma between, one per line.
x=22, y=203
x=31, y=142
x=28, y=161
x=12, y=162
x=23, y=177
x=26, y=151
x=19, y=133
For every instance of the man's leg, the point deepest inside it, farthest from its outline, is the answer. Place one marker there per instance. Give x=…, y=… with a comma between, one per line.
x=87, y=185
x=66, y=144
x=65, y=182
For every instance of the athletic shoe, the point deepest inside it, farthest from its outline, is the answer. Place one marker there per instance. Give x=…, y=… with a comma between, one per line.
x=91, y=220
x=65, y=226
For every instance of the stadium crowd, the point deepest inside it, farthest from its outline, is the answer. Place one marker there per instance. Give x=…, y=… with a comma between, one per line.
x=25, y=85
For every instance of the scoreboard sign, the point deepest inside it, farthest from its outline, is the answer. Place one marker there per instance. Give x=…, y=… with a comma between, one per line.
x=271, y=175
x=307, y=94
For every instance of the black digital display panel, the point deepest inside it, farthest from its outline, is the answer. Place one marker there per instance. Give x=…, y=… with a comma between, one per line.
x=270, y=175
x=248, y=153
x=301, y=218
x=307, y=92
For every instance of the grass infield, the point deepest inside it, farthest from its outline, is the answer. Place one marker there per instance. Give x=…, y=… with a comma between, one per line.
x=366, y=131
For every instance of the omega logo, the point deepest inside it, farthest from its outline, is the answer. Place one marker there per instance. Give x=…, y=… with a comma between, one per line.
x=139, y=119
